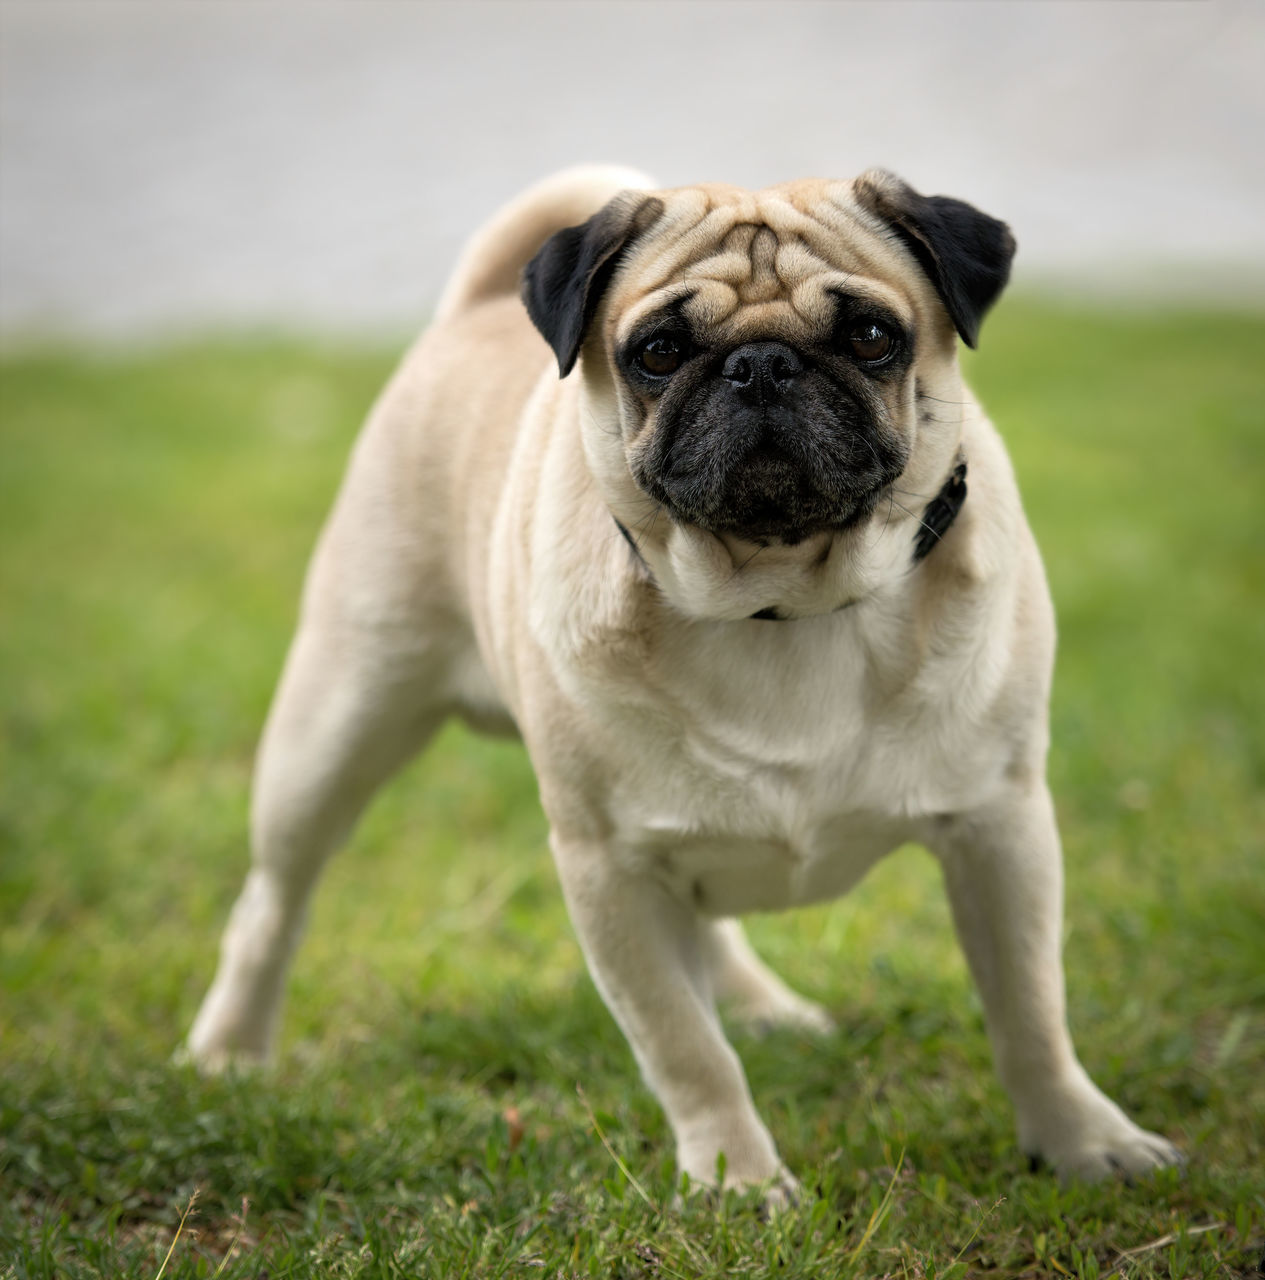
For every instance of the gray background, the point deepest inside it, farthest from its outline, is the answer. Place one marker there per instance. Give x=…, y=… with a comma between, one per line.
x=181, y=165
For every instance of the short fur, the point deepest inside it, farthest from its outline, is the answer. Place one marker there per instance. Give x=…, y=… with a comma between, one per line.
x=696, y=762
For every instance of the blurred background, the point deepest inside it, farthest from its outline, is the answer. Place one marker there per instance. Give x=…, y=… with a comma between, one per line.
x=315, y=165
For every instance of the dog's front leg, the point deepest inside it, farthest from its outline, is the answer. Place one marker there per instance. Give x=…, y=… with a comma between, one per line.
x=1003, y=868
x=645, y=952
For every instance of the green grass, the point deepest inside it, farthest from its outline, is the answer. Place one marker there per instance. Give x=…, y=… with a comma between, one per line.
x=156, y=510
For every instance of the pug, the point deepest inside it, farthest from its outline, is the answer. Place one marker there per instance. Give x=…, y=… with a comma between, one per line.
x=685, y=488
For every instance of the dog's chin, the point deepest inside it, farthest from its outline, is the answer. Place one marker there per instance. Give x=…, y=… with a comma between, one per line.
x=761, y=521
x=769, y=526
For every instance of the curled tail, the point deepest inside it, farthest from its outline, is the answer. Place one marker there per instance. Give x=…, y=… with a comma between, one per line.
x=493, y=259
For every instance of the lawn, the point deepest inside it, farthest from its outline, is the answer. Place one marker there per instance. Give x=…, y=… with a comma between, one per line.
x=451, y=1098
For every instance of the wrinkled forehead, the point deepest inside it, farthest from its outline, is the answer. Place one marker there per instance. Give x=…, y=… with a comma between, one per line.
x=734, y=263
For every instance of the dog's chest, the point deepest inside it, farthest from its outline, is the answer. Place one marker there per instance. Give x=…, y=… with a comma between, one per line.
x=732, y=841
x=779, y=777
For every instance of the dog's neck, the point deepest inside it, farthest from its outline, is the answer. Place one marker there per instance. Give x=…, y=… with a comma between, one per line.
x=933, y=523
x=942, y=510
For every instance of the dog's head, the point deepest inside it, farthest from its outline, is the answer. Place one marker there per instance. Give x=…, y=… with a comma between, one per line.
x=753, y=362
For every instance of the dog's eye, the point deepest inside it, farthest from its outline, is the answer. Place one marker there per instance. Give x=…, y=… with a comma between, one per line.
x=662, y=356
x=870, y=342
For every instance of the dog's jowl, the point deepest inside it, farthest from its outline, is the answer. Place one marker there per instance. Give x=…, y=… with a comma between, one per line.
x=685, y=486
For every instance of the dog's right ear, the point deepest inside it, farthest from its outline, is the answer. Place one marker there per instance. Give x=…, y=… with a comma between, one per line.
x=564, y=282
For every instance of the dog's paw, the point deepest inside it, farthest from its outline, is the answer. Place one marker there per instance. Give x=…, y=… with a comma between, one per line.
x=737, y=1155
x=768, y=1196
x=783, y=1193
x=1089, y=1138
x=1126, y=1154
x=210, y=1059
x=782, y=1009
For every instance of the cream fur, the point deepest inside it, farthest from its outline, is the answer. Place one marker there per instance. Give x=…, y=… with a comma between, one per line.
x=693, y=764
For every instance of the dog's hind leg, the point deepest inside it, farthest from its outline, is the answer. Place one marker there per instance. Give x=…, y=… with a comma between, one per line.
x=351, y=708
x=753, y=993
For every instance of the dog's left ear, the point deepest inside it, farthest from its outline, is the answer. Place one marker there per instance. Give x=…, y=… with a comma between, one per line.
x=564, y=282
x=965, y=253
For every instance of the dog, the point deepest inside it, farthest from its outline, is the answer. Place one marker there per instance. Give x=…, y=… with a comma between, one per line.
x=749, y=574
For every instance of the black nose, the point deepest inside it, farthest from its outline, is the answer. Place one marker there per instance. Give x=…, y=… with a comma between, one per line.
x=760, y=369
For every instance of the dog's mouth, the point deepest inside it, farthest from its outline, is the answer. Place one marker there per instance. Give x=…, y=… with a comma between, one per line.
x=779, y=505
x=768, y=500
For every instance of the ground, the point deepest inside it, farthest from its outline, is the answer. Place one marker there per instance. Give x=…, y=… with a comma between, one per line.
x=451, y=1098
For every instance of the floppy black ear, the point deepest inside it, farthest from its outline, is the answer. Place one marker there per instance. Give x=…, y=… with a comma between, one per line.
x=965, y=253
x=564, y=282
